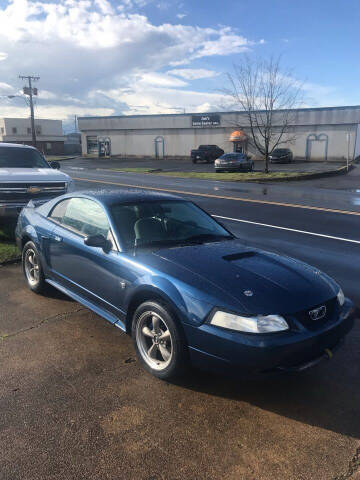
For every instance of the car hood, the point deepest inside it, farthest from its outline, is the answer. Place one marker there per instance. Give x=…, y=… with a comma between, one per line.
x=32, y=175
x=263, y=282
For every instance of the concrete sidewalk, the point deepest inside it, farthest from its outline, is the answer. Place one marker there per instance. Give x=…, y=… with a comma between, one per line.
x=75, y=404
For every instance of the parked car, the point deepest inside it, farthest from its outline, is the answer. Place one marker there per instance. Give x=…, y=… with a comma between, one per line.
x=206, y=153
x=234, y=162
x=26, y=175
x=189, y=292
x=281, y=155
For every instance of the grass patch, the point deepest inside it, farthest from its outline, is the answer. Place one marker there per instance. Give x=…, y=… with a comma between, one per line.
x=228, y=176
x=8, y=249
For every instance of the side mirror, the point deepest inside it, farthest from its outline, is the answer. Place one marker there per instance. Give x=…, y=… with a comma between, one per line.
x=97, y=240
x=55, y=165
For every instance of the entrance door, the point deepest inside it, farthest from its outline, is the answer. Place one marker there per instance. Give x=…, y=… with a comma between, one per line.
x=239, y=147
x=92, y=145
x=159, y=147
x=317, y=147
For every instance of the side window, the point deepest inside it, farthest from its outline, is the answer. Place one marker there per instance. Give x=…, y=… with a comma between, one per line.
x=58, y=211
x=86, y=217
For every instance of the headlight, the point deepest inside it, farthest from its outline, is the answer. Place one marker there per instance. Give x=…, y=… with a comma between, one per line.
x=70, y=185
x=341, y=297
x=217, y=162
x=258, y=324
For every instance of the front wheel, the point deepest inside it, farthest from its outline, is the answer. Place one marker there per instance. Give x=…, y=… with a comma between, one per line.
x=159, y=341
x=32, y=268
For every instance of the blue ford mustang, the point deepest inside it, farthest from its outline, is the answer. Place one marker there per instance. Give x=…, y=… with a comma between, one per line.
x=182, y=285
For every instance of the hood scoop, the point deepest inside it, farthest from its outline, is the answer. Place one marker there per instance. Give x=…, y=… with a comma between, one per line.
x=238, y=256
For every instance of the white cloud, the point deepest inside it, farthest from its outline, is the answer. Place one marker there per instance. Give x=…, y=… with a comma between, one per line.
x=5, y=88
x=83, y=46
x=181, y=15
x=151, y=100
x=159, y=80
x=193, y=73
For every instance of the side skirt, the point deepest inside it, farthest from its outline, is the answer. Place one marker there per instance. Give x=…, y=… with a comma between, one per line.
x=92, y=306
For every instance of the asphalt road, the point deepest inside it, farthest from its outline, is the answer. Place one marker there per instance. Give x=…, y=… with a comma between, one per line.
x=309, y=219
x=75, y=404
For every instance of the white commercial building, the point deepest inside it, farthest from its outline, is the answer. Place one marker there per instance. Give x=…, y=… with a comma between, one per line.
x=49, y=133
x=320, y=134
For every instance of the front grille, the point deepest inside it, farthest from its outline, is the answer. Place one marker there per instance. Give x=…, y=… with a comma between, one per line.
x=332, y=311
x=21, y=192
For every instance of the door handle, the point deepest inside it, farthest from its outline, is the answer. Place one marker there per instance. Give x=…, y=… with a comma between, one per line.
x=57, y=238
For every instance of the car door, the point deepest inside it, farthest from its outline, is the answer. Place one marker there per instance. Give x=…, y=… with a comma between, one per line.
x=87, y=271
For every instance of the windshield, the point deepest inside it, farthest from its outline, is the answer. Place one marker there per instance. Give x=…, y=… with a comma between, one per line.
x=165, y=223
x=12, y=157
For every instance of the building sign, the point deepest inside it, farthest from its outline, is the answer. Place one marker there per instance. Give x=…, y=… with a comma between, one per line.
x=210, y=120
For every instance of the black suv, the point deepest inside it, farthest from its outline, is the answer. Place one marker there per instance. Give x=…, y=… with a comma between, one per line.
x=206, y=153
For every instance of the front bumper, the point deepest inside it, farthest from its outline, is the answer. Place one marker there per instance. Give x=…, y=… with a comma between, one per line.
x=13, y=209
x=280, y=160
x=223, y=350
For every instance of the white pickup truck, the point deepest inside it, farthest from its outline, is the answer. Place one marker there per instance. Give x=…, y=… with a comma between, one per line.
x=25, y=175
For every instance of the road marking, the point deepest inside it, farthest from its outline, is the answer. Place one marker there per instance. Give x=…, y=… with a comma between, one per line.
x=209, y=195
x=288, y=229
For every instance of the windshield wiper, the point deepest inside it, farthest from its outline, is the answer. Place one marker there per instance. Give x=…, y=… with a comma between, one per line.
x=207, y=237
x=155, y=243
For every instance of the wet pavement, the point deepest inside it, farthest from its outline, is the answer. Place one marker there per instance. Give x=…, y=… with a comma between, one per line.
x=75, y=404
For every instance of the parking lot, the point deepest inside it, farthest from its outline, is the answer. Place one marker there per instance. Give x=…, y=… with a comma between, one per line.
x=76, y=403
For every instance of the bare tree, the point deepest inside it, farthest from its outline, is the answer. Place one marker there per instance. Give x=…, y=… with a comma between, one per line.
x=267, y=96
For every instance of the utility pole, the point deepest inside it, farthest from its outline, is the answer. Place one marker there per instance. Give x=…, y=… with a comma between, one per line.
x=31, y=91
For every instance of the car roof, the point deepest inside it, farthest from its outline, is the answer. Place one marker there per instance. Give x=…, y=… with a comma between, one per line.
x=16, y=145
x=117, y=196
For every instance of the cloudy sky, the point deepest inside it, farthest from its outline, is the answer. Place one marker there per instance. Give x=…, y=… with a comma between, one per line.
x=105, y=57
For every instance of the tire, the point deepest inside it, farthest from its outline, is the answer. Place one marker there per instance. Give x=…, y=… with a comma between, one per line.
x=32, y=268
x=165, y=359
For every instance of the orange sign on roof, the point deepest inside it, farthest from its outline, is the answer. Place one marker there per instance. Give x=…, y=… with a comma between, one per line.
x=238, y=136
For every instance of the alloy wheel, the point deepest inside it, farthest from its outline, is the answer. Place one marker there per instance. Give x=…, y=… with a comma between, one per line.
x=154, y=340
x=32, y=268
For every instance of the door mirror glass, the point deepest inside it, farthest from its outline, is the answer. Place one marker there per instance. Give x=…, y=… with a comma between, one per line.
x=97, y=240
x=55, y=165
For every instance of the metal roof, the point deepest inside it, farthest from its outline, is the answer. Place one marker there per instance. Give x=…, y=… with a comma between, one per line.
x=305, y=109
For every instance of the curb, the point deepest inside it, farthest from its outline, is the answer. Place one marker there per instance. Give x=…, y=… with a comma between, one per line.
x=65, y=159
x=10, y=262
x=305, y=176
